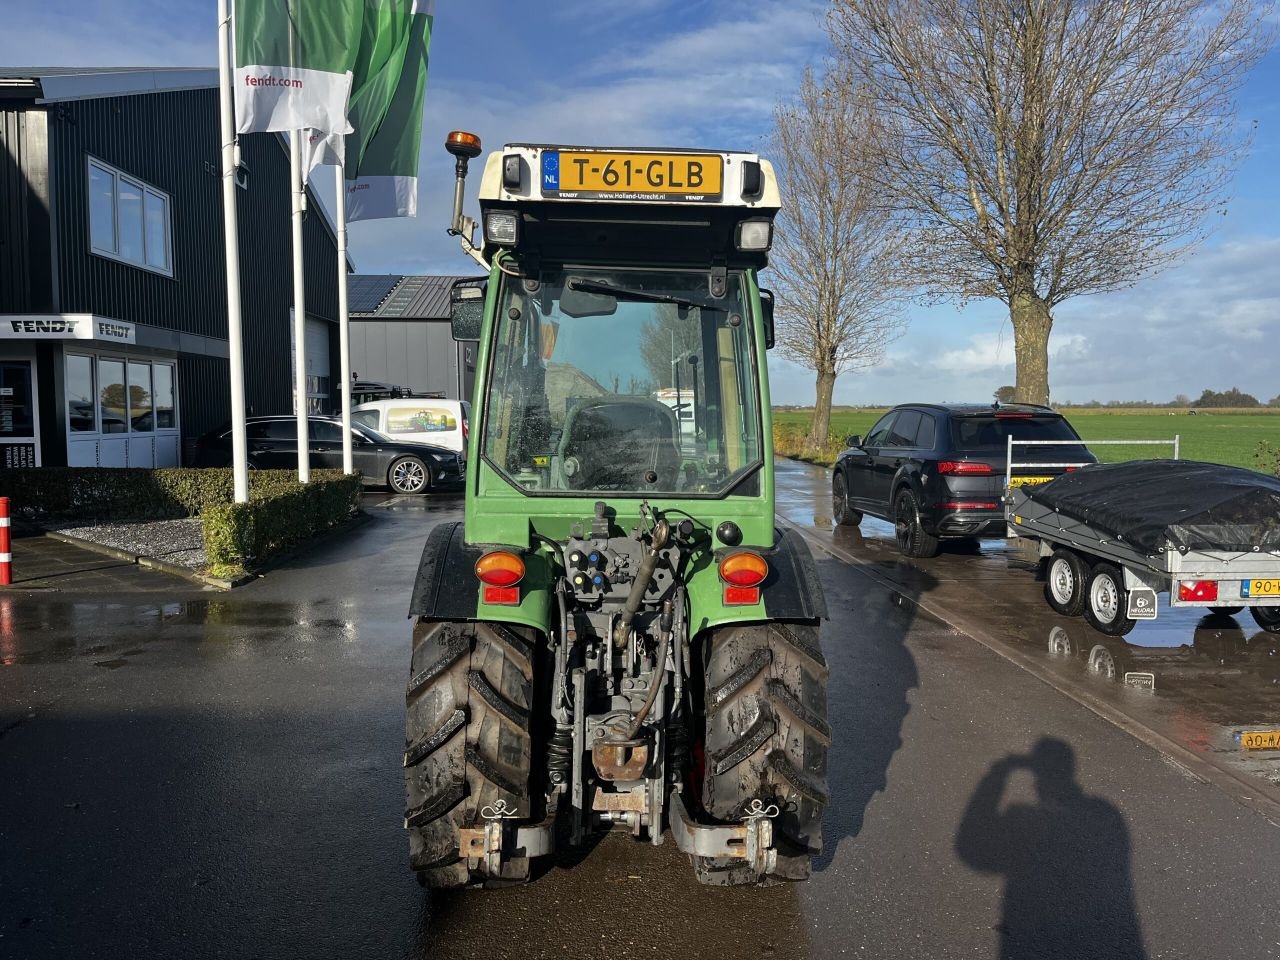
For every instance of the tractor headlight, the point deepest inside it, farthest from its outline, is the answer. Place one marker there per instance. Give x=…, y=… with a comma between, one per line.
x=501, y=227
x=754, y=236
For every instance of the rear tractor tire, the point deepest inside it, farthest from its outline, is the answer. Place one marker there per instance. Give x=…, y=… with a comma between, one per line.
x=766, y=740
x=468, y=743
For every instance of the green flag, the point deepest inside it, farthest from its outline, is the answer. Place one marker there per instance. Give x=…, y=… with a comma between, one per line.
x=382, y=155
x=294, y=61
x=384, y=42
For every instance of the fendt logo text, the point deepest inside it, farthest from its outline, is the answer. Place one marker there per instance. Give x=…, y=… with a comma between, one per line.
x=60, y=325
x=270, y=81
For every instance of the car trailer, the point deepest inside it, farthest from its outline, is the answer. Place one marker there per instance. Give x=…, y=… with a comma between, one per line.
x=1111, y=538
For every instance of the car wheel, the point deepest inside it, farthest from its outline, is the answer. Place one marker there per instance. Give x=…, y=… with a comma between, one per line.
x=1268, y=618
x=845, y=516
x=409, y=475
x=912, y=539
x=1225, y=611
x=1107, y=601
x=1064, y=582
x=1102, y=663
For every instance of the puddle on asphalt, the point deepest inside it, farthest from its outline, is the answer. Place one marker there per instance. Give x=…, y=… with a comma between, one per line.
x=36, y=630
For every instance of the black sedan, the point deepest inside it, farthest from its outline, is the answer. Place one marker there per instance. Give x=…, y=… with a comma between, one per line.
x=273, y=444
x=938, y=471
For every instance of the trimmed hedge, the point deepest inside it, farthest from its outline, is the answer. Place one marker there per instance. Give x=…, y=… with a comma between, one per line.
x=280, y=511
x=108, y=494
x=239, y=534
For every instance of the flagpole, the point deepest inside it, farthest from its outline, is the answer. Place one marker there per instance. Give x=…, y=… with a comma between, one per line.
x=231, y=240
x=344, y=318
x=299, y=192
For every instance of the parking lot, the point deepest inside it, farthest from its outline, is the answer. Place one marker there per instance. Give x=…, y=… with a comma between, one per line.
x=193, y=773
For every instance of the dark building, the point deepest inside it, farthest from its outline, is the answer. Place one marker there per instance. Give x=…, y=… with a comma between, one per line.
x=400, y=335
x=113, y=308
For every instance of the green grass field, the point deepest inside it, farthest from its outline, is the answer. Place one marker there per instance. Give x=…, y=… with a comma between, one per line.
x=1227, y=437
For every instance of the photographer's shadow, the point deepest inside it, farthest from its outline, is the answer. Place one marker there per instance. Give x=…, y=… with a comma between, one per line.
x=1065, y=860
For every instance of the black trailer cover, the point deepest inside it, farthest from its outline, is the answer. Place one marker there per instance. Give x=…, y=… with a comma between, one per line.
x=1189, y=505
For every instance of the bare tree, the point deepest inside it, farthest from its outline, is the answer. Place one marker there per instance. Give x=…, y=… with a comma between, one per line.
x=1050, y=148
x=836, y=249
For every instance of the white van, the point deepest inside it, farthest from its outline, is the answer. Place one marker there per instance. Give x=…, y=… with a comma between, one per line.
x=440, y=423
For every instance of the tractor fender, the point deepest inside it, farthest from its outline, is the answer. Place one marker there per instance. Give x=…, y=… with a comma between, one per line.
x=446, y=570
x=446, y=587
x=792, y=591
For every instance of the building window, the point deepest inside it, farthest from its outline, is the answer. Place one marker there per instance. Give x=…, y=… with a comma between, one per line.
x=132, y=396
x=165, y=419
x=129, y=220
x=113, y=403
x=82, y=416
x=141, y=415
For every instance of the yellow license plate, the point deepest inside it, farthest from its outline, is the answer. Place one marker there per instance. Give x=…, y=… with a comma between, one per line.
x=1027, y=481
x=632, y=176
x=1260, y=739
x=1260, y=588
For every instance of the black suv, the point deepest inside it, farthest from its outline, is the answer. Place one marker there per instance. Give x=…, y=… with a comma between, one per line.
x=939, y=470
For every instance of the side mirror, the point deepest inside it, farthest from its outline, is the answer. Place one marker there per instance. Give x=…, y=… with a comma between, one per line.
x=466, y=308
x=853, y=441
x=766, y=315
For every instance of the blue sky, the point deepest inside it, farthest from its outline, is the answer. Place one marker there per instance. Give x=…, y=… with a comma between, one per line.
x=707, y=73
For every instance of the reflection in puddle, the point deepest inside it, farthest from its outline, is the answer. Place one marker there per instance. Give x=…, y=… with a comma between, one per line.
x=1219, y=656
x=52, y=630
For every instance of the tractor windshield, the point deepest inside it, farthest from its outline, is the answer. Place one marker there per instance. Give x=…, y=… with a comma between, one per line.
x=627, y=381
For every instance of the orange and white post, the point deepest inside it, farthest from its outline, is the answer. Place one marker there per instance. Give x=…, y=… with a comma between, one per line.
x=6, y=556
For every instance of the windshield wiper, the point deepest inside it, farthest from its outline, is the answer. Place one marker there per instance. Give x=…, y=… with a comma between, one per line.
x=623, y=293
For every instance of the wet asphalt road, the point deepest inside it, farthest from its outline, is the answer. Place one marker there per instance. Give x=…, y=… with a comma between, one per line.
x=217, y=775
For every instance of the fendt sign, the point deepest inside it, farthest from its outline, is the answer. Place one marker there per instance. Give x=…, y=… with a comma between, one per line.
x=65, y=326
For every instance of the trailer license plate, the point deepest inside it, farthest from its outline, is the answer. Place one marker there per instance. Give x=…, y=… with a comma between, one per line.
x=1260, y=588
x=1260, y=739
x=639, y=176
x=1027, y=481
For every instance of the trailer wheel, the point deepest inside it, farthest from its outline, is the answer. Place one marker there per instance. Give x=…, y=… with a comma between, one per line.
x=467, y=742
x=911, y=536
x=1107, y=601
x=1268, y=618
x=1064, y=584
x=1225, y=611
x=843, y=514
x=766, y=739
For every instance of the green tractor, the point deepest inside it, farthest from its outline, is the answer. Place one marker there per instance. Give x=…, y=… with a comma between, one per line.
x=616, y=636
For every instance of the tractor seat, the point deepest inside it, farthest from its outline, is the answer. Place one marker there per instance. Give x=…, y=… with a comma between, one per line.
x=616, y=442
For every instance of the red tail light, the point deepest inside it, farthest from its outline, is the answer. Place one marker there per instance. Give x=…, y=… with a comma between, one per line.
x=968, y=505
x=970, y=468
x=1014, y=415
x=1203, y=590
x=466, y=429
